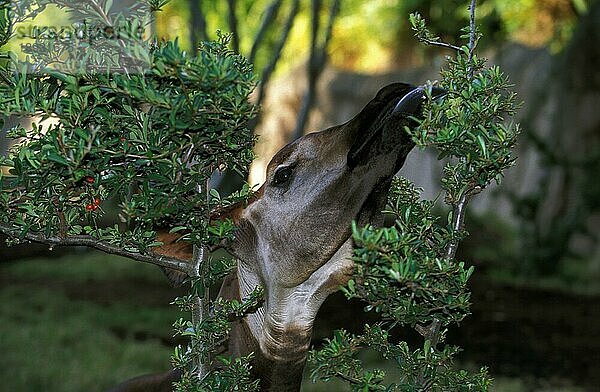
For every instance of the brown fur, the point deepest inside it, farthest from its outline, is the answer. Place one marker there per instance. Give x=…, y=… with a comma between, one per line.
x=294, y=239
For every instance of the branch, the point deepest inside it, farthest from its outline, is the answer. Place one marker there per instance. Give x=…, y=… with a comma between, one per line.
x=91, y=242
x=318, y=56
x=440, y=44
x=198, y=29
x=233, y=26
x=268, y=70
x=351, y=380
x=200, y=306
x=458, y=222
x=459, y=208
x=270, y=15
x=100, y=11
x=472, y=28
x=431, y=332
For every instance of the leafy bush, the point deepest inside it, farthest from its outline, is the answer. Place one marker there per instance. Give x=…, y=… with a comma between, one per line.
x=408, y=273
x=124, y=120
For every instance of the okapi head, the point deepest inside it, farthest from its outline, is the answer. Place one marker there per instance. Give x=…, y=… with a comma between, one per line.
x=293, y=237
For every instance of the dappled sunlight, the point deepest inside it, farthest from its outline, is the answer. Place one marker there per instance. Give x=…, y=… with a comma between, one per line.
x=173, y=22
x=539, y=23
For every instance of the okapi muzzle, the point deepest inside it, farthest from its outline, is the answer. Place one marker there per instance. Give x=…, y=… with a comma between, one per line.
x=293, y=237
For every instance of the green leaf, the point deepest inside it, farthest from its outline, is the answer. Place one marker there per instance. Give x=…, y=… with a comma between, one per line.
x=58, y=159
x=482, y=146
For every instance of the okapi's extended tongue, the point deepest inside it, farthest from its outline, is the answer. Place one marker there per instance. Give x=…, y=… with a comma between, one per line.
x=410, y=104
x=398, y=113
x=392, y=117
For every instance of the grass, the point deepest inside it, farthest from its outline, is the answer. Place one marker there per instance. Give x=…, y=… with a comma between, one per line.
x=87, y=321
x=58, y=334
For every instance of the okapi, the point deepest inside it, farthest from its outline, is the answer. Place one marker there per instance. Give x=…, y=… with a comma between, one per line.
x=293, y=237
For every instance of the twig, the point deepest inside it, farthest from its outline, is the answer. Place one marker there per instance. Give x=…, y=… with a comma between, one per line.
x=184, y=162
x=269, y=68
x=440, y=44
x=91, y=242
x=430, y=332
x=198, y=30
x=270, y=15
x=458, y=215
x=233, y=25
x=101, y=12
x=351, y=380
x=458, y=222
x=472, y=28
x=200, y=306
x=318, y=56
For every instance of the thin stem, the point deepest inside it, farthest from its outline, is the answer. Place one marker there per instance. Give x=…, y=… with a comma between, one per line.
x=269, y=68
x=200, y=305
x=458, y=222
x=91, y=242
x=459, y=208
x=270, y=15
x=233, y=25
x=198, y=30
x=440, y=44
x=432, y=332
x=351, y=380
x=101, y=12
x=472, y=28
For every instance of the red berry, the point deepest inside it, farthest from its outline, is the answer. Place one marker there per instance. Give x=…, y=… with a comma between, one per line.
x=97, y=201
x=90, y=180
x=90, y=207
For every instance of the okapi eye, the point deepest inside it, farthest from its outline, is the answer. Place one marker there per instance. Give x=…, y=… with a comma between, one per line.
x=282, y=176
